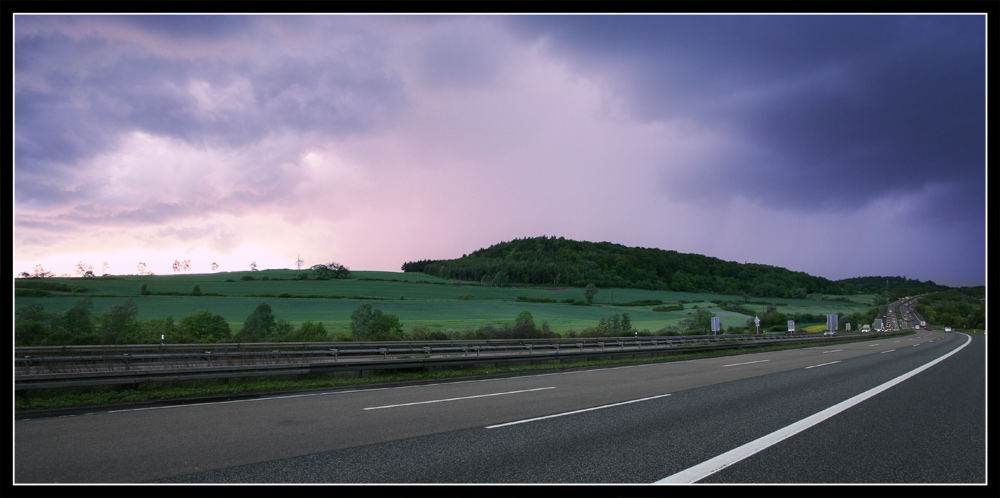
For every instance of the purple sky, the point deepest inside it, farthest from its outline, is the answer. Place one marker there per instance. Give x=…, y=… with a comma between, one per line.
x=836, y=145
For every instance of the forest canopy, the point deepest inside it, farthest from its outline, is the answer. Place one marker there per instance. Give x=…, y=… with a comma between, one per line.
x=563, y=262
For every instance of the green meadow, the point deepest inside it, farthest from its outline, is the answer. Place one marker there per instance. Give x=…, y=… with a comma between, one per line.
x=418, y=300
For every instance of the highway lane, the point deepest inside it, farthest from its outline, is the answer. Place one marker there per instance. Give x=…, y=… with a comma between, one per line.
x=928, y=429
x=637, y=423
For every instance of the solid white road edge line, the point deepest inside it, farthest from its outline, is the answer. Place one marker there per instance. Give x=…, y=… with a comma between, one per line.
x=574, y=412
x=457, y=399
x=713, y=465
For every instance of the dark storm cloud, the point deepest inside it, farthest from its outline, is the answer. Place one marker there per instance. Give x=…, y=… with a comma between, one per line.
x=831, y=110
x=913, y=113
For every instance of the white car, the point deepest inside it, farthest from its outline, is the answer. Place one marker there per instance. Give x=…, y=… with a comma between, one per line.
x=829, y=332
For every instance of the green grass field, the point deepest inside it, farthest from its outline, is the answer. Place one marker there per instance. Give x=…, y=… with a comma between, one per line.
x=416, y=299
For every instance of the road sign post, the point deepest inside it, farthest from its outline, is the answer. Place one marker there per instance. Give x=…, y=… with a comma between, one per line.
x=756, y=323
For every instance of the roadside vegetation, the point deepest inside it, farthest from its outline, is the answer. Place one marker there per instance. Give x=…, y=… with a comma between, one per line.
x=962, y=308
x=293, y=306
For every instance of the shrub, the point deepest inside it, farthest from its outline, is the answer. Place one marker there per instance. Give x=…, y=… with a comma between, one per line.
x=526, y=299
x=203, y=326
x=673, y=307
x=423, y=333
x=259, y=325
x=310, y=331
x=371, y=324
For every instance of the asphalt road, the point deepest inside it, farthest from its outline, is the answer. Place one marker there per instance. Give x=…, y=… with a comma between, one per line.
x=640, y=424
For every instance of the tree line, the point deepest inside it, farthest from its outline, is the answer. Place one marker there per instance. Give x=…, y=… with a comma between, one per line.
x=81, y=325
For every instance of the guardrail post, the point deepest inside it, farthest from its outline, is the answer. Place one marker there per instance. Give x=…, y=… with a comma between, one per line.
x=335, y=352
x=128, y=357
x=384, y=352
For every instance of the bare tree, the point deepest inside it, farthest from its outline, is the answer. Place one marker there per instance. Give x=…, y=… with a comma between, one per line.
x=41, y=272
x=83, y=268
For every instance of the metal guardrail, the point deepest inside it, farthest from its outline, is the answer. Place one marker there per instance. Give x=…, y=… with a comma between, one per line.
x=55, y=358
x=79, y=366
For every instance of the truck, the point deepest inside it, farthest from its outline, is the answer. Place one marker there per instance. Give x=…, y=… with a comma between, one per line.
x=878, y=325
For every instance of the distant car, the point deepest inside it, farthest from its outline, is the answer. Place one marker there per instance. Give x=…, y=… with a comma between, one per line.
x=829, y=332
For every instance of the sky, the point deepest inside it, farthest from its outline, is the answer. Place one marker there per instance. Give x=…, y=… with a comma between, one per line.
x=836, y=145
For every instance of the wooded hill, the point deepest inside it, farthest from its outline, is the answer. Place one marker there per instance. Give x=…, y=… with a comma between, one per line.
x=892, y=287
x=562, y=262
